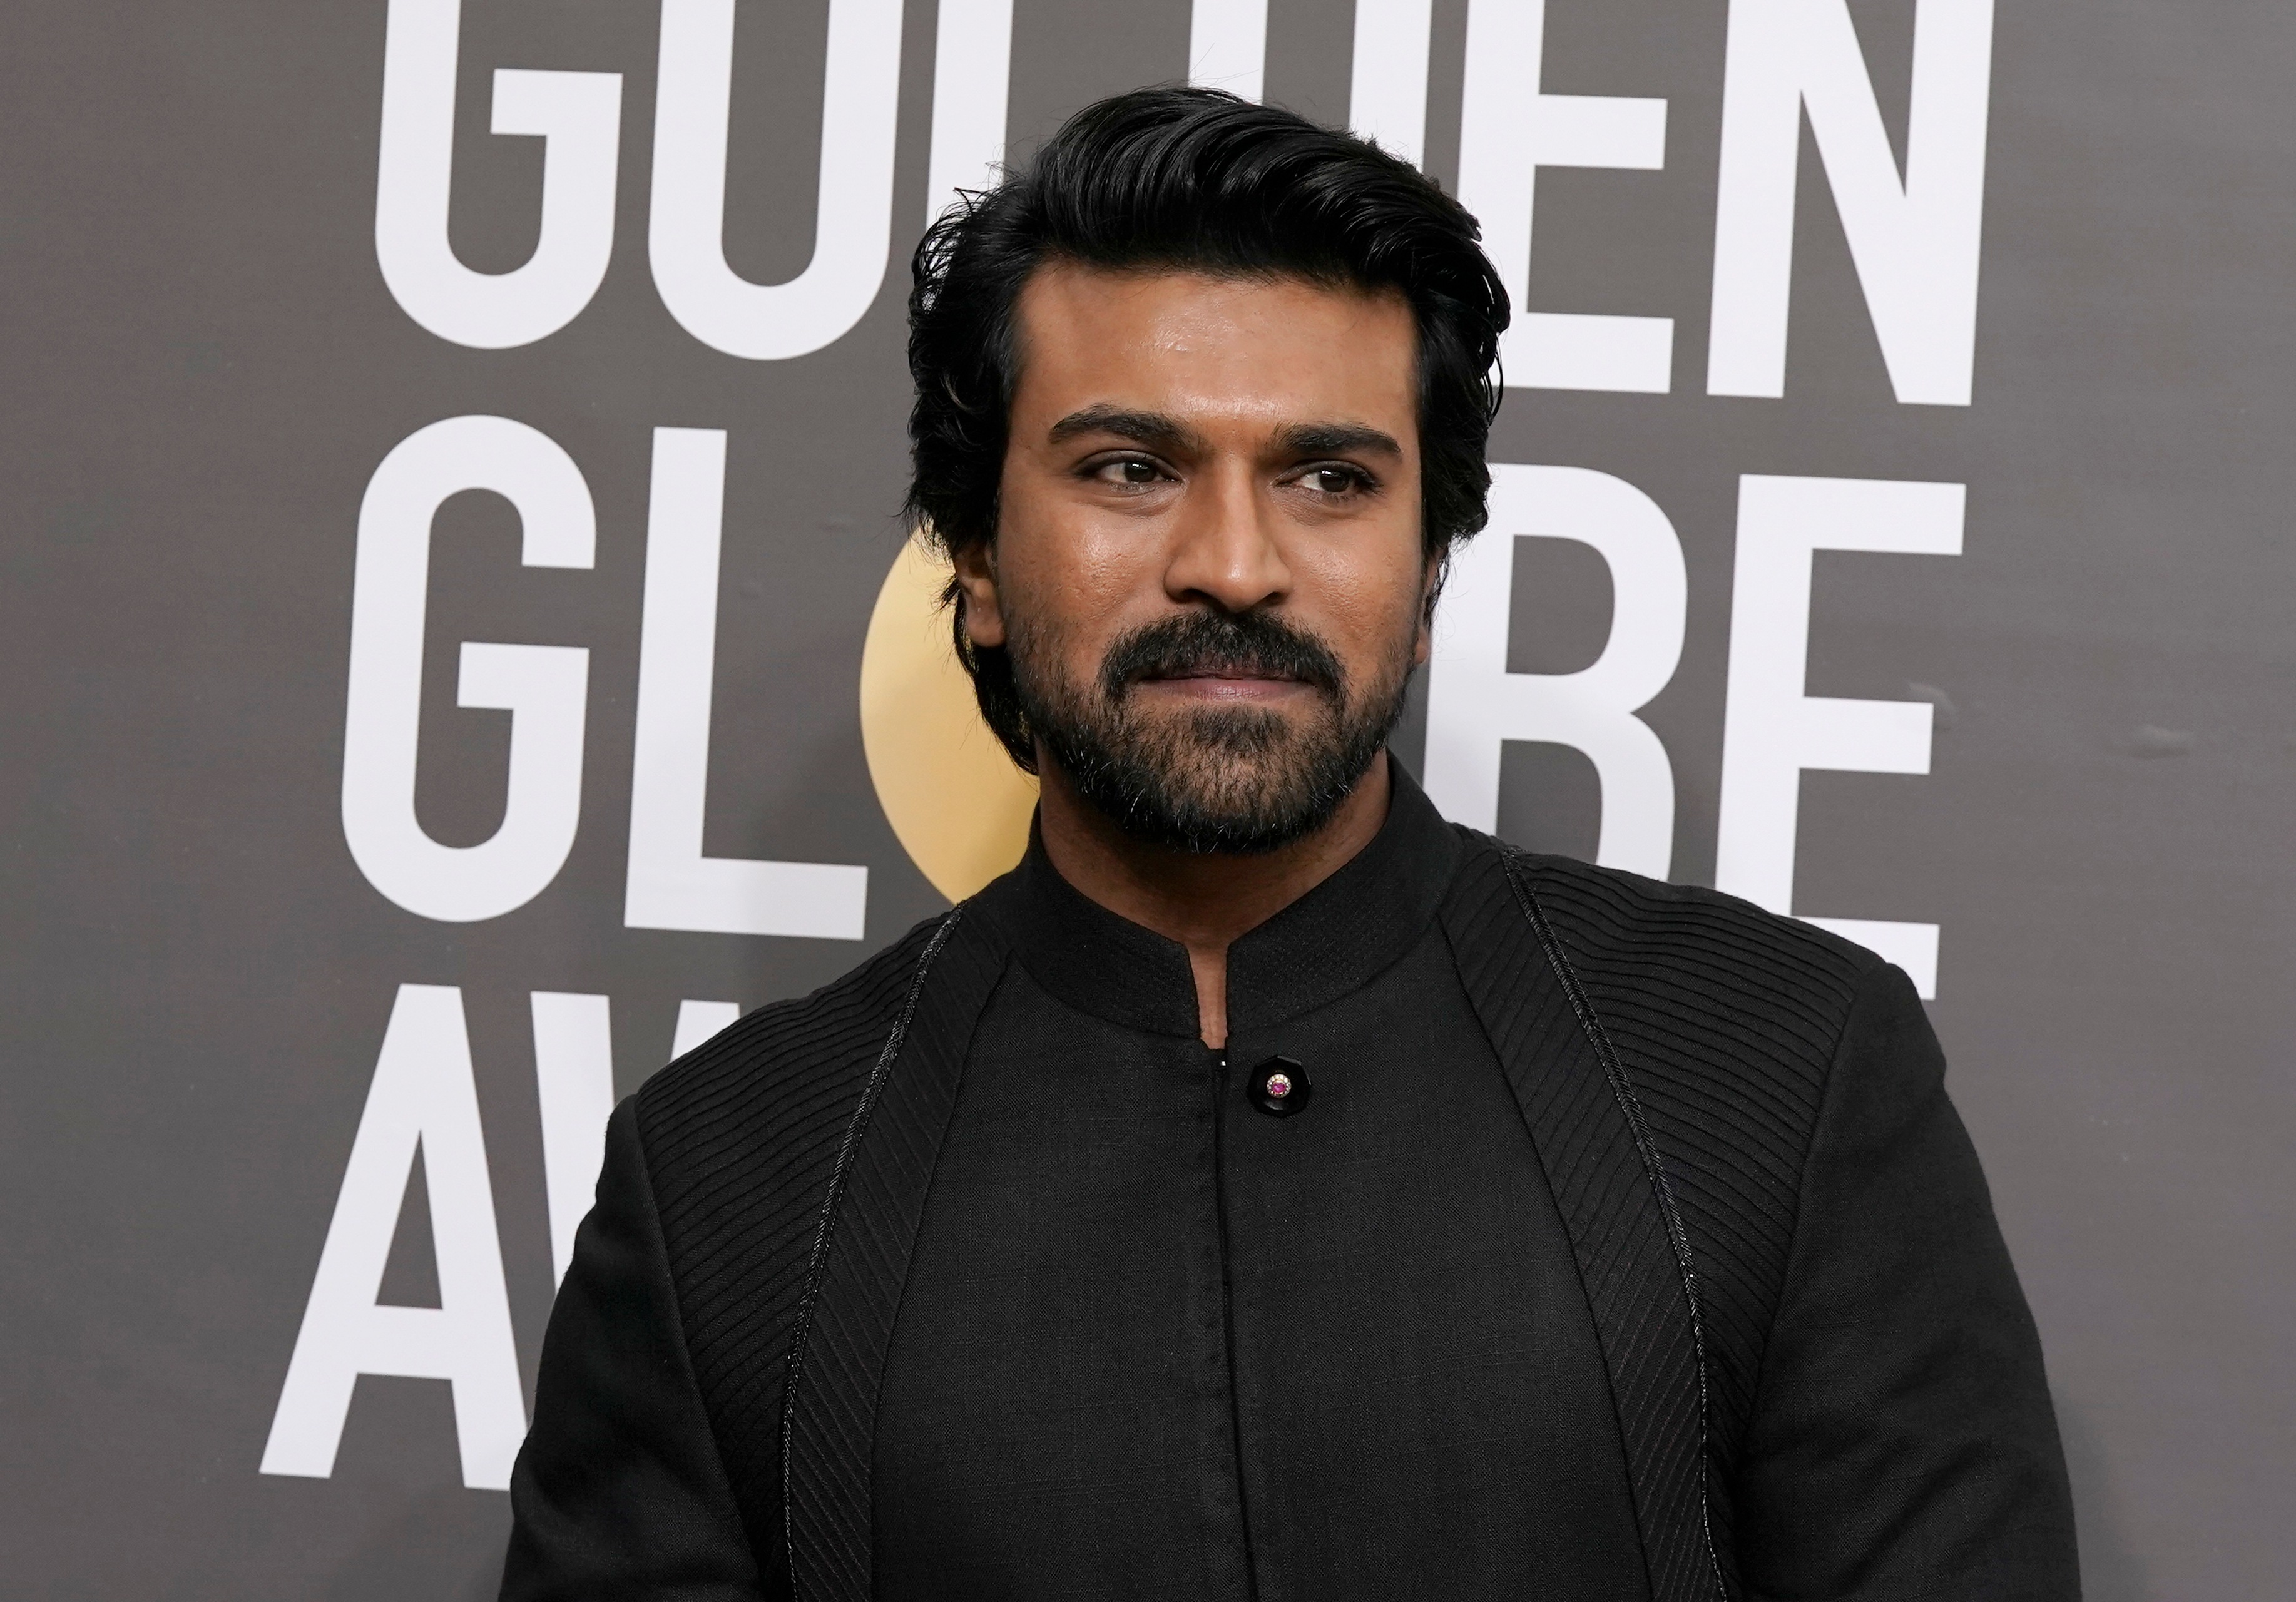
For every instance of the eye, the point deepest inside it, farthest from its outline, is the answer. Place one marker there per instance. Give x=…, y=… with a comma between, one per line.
x=1128, y=472
x=1336, y=479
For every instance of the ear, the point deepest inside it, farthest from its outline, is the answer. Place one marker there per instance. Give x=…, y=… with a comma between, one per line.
x=1430, y=590
x=984, y=614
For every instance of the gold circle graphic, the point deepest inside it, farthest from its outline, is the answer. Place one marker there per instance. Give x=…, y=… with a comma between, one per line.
x=957, y=804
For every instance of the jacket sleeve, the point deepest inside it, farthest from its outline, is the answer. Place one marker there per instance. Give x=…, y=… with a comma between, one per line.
x=1902, y=1444
x=618, y=1492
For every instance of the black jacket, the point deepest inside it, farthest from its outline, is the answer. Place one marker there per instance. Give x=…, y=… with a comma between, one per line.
x=1824, y=1378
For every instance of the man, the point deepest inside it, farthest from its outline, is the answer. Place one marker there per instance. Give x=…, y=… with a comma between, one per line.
x=1268, y=1190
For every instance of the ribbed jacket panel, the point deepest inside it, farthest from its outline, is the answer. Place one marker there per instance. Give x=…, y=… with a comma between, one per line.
x=742, y=1137
x=866, y=1266
x=1604, y=1191
x=1726, y=1019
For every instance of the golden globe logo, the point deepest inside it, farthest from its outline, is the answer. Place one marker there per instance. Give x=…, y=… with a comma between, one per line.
x=957, y=804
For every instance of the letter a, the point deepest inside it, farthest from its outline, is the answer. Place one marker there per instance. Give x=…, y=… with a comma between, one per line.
x=423, y=1096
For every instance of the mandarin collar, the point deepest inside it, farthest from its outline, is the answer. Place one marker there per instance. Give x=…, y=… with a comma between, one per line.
x=1333, y=940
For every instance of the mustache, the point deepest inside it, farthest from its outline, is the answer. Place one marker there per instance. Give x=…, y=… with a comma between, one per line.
x=1249, y=644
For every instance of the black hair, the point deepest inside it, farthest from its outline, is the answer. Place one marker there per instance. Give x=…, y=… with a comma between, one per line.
x=1197, y=180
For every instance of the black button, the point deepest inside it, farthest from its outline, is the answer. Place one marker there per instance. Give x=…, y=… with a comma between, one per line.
x=1279, y=1086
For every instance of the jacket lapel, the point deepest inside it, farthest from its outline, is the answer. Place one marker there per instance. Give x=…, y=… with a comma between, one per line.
x=1612, y=1193
x=861, y=1261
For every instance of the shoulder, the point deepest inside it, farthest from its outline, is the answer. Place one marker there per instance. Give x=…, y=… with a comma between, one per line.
x=779, y=1068
x=1682, y=962
x=740, y=1135
x=1729, y=1025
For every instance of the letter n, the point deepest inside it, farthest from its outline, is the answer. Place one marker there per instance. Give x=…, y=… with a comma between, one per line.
x=1913, y=239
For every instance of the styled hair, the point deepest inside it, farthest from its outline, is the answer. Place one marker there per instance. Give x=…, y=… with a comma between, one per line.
x=1194, y=180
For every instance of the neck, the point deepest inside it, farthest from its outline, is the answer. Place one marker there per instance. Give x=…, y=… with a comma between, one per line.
x=1201, y=900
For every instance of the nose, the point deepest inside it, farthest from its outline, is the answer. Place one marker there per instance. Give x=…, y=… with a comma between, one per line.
x=1224, y=548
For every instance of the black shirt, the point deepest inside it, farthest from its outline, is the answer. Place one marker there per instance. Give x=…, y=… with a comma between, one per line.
x=1159, y=1343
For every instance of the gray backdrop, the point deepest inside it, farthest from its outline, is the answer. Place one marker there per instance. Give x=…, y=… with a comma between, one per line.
x=203, y=367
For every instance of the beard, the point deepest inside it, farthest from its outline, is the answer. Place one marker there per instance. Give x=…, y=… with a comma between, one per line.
x=1209, y=778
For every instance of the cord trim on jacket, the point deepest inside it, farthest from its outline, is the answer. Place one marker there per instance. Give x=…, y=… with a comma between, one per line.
x=818, y=1262
x=1622, y=1091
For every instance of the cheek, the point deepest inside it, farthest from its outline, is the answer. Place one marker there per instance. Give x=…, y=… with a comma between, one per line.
x=1061, y=588
x=1368, y=609
x=1072, y=576
x=1065, y=594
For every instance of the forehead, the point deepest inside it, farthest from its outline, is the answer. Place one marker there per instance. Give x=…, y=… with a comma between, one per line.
x=1189, y=342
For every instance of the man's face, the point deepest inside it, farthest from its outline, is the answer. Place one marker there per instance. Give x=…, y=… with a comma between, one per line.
x=1208, y=573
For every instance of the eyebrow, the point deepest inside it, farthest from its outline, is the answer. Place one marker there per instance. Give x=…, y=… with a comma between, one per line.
x=1337, y=439
x=1162, y=431
x=1154, y=428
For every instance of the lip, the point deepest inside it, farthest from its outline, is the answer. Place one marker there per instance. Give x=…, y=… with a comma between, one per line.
x=1225, y=684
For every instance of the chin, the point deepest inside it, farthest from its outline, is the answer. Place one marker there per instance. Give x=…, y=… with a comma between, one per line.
x=1217, y=776
x=1237, y=796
